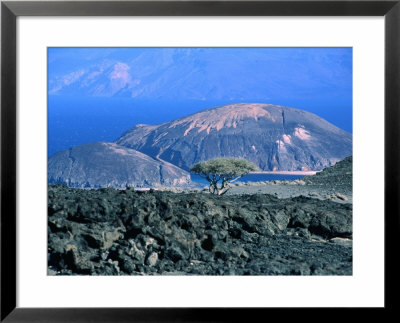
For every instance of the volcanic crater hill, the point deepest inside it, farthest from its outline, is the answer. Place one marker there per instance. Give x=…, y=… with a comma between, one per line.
x=104, y=164
x=271, y=136
x=127, y=232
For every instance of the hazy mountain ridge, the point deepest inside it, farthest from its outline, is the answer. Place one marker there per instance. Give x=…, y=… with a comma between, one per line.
x=204, y=73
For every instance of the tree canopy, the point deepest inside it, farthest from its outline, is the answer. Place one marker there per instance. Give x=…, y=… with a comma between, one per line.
x=224, y=170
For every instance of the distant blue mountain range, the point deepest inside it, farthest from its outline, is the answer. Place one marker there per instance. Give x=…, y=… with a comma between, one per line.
x=236, y=74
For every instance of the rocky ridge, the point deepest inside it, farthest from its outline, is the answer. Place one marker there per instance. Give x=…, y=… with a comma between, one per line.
x=339, y=174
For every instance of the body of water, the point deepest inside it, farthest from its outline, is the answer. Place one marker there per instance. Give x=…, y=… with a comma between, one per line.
x=251, y=178
x=74, y=121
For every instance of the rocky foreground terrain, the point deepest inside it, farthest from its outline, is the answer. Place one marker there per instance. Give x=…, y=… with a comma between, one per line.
x=128, y=232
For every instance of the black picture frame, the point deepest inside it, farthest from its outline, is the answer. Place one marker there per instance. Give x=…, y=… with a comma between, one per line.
x=10, y=10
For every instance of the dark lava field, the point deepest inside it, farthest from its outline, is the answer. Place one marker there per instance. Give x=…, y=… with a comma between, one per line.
x=127, y=232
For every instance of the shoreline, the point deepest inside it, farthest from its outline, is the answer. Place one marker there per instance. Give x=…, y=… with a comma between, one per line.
x=284, y=172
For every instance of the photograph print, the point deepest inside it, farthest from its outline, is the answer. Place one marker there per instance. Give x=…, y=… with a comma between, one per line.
x=200, y=161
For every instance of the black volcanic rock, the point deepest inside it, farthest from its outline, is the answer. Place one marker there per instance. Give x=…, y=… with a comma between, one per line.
x=104, y=164
x=273, y=137
x=127, y=232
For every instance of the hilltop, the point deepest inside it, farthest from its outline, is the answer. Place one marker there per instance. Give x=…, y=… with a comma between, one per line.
x=272, y=137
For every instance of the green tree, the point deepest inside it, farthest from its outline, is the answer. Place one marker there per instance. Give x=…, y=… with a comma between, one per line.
x=224, y=170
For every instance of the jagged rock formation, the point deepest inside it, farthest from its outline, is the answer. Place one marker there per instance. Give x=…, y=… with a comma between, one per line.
x=126, y=232
x=273, y=137
x=104, y=164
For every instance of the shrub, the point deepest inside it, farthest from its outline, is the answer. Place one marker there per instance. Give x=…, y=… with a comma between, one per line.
x=224, y=170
